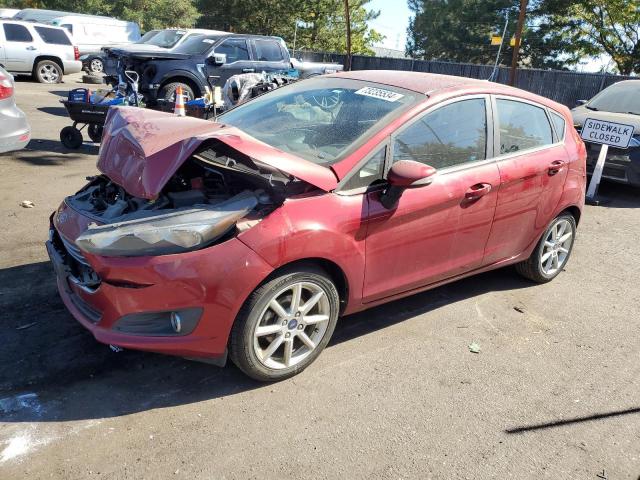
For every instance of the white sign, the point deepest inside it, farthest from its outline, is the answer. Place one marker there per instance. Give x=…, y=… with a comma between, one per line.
x=607, y=133
x=379, y=93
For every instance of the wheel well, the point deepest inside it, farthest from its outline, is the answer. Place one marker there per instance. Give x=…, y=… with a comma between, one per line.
x=575, y=213
x=47, y=57
x=333, y=270
x=187, y=81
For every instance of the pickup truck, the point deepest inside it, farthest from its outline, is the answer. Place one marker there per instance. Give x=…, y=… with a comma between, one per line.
x=206, y=60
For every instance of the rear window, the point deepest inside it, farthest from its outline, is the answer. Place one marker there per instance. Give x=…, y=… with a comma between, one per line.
x=16, y=33
x=53, y=36
x=522, y=126
x=623, y=97
x=269, y=51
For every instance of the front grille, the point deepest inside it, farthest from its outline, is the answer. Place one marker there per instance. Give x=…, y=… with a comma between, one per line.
x=73, y=250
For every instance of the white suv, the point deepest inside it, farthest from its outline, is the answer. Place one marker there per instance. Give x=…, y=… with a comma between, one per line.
x=43, y=51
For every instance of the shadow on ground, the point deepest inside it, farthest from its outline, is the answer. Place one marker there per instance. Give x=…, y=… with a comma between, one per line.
x=47, y=356
x=57, y=111
x=617, y=195
x=41, y=152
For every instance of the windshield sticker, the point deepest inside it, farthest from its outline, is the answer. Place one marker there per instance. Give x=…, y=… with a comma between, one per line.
x=380, y=93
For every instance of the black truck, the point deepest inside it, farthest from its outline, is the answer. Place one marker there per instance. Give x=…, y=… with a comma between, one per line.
x=206, y=60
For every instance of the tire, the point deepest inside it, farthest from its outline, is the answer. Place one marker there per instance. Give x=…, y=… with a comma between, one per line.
x=168, y=92
x=93, y=79
x=541, y=266
x=71, y=137
x=250, y=350
x=96, y=65
x=95, y=132
x=48, y=71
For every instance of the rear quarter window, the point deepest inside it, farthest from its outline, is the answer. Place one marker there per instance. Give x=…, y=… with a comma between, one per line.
x=53, y=36
x=558, y=124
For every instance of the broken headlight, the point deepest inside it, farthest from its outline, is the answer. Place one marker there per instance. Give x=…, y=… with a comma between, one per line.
x=160, y=234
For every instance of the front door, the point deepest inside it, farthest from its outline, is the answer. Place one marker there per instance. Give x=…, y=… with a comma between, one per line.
x=238, y=61
x=19, y=48
x=440, y=230
x=533, y=168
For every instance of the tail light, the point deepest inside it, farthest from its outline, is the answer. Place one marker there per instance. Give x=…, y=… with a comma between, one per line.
x=76, y=53
x=6, y=87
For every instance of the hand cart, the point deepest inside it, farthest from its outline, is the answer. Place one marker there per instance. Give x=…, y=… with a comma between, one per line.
x=88, y=114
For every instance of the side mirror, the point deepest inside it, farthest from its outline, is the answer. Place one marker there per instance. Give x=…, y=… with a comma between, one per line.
x=217, y=59
x=405, y=174
x=581, y=102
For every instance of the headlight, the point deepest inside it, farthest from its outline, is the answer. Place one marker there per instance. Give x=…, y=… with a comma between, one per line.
x=165, y=233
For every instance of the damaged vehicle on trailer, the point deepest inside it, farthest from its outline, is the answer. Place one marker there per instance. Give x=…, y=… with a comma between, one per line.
x=250, y=236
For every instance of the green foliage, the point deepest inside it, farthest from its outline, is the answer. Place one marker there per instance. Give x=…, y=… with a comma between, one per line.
x=321, y=22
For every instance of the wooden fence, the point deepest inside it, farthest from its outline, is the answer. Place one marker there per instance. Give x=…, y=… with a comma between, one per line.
x=562, y=86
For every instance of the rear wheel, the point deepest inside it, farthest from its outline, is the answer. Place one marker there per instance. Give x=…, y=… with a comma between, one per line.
x=48, y=71
x=96, y=65
x=285, y=324
x=552, y=252
x=71, y=137
x=95, y=132
x=168, y=92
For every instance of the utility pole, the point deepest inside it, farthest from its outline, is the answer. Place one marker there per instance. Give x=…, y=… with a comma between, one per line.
x=347, y=18
x=516, y=47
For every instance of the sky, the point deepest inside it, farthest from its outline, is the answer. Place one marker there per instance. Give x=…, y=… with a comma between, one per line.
x=392, y=22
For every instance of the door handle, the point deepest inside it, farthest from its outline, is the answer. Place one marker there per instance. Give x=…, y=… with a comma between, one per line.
x=248, y=70
x=555, y=167
x=31, y=48
x=477, y=191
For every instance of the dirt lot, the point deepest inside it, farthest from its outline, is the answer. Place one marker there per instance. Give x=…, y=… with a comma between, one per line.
x=554, y=392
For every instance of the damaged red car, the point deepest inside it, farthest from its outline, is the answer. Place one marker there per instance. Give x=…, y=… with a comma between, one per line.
x=252, y=235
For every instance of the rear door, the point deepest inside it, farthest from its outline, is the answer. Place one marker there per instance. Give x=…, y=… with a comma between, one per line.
x=440, y=230
x=20, y=48
x=270, y=55
x=238, y=60
x=533, y=167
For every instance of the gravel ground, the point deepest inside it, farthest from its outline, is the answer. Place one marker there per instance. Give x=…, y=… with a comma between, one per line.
x=553, y=392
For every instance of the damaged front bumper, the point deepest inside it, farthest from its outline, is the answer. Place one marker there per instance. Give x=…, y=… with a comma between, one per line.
x=136, y=300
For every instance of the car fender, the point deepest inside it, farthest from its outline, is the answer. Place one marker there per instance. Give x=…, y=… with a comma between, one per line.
x=311, y=228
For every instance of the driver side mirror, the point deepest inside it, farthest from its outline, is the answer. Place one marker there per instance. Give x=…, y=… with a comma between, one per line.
x=402, y=175
x=217, y=59
x=581, y=102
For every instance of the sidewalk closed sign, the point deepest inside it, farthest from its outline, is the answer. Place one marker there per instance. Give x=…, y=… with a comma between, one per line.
x=607, y=133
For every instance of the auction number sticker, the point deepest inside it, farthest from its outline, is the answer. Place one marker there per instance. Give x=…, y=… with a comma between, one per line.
x=380, y=93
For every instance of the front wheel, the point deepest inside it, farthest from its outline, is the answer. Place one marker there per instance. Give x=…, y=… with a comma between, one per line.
x=552, y=252
x=48, y=71
x=168, y=92
x=285, y=324
x=71, y=137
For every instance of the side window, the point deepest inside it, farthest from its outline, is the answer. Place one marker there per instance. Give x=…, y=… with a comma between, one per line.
x=558, y=124
x=369, y=173
x=235, y=49
x=268, y=51
x=451, y=135
x=16, y=33
x=53, y=36
x=522, y=126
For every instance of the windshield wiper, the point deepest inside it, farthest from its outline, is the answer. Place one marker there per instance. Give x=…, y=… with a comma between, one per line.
x=634, y=113
x=591, y=108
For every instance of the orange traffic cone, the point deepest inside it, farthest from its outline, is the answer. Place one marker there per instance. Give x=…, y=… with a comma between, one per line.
x=179, y=107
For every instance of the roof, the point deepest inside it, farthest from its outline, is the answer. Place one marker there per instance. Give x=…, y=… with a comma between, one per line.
x=431, y=84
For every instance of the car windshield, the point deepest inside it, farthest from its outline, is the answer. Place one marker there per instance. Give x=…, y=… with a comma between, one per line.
x=320, y=119
x=623, y=97
x=147, y=36
x=166, y=38
x=196, y=45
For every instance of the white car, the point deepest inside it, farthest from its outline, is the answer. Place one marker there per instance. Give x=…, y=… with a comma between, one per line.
x=167, y=39
x=44, y=51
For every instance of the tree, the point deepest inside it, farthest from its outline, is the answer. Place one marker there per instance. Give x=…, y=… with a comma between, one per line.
x=321, y=24
x=595, y=27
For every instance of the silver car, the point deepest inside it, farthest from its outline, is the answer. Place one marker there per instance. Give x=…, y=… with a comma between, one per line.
x=44, y=51
x=15, y=132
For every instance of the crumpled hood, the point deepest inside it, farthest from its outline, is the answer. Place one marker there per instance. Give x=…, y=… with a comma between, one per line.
x=141, y=150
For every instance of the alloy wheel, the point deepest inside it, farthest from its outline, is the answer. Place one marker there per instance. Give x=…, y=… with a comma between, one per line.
x=96, y=65
x=556, y=247
x=291, y=325
x=49, y=73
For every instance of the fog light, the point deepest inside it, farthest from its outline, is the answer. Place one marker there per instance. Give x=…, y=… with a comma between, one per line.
x=176, y=322
x=160, y=324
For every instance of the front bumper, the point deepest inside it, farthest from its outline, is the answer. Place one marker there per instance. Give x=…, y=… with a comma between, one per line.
x=217, y=279
x=618, y=167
